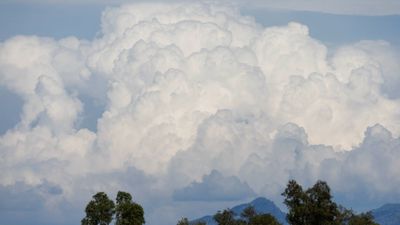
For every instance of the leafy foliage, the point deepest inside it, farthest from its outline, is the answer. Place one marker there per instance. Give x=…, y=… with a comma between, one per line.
x=295, y=200
x=183, y=221
x=313, y=206
x=226, y=217
x=321, y=209
x=263, y=219
x=249, y=216
x=99, y=211
x=362, y=219
x=316, y=207
x=127, y=211
x=248, y=213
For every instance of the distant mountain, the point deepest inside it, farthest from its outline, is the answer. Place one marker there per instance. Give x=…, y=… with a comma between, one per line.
x=261, y=205
x=388, y=214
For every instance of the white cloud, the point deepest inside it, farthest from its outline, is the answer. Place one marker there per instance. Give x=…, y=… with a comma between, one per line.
x=189, y=88
x=215, y=187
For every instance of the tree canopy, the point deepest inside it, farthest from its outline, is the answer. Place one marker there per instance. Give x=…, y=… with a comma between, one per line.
x=183, y=221
x=249, y=216
x=226, y=217
x=101, y=210
x=316, y=207
x=128, y=212
x=263, y=219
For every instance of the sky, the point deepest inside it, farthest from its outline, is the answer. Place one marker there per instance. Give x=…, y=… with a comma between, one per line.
x=195, y=106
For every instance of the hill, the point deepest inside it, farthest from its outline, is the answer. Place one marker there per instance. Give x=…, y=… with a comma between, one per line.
x=388, y=214
x=261, y=205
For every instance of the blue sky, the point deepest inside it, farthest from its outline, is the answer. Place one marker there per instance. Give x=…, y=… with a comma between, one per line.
x=55, y=20
x=187, y=105
x=83, y=20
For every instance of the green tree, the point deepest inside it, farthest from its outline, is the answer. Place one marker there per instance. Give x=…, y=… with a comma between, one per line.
x=362, y=219
x=295, y=200
x=226, y=217
x=316, y=207
x=99, y=210
x=248, y=213
x=200, y=223
x=127, y=211
x=320, y=207
x=311, y=207
x=251, y=217
x=183, y=221
x=263, y=219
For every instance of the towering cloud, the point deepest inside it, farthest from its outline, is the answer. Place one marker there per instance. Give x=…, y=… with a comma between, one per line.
x=198, y=100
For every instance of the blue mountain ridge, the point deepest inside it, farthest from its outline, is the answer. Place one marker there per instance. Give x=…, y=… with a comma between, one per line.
x=388, y=214
x=261, y=205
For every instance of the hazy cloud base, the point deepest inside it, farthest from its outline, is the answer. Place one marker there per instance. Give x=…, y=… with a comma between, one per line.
x=197, y=101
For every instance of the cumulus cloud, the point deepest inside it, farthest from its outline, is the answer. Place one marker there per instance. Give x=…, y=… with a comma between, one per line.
x=215, y=187
x=188, y=89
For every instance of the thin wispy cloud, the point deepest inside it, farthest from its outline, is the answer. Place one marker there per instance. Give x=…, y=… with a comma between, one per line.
x=353, y=7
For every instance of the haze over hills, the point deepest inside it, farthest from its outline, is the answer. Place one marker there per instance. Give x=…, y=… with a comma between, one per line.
x=261, y=205
x=388, y=214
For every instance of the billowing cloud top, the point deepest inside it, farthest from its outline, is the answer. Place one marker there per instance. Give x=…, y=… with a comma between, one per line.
x=188, y=88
